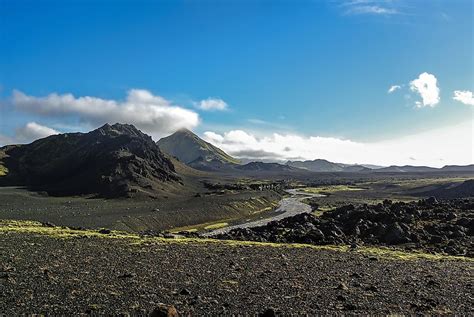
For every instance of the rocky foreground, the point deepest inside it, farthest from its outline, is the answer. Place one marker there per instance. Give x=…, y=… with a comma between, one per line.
x=428, y=225
x=58, y=271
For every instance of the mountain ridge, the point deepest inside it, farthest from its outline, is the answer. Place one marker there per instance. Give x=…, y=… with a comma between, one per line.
x=112, y=161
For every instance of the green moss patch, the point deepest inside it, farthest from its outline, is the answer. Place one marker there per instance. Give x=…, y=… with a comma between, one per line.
x=3, y=170
x=331, y=189
x=33, y=227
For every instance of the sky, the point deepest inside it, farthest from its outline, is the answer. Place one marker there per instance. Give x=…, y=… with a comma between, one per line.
x=387, y=82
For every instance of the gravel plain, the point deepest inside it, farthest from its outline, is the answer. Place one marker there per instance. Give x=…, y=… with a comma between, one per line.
x=95, y=275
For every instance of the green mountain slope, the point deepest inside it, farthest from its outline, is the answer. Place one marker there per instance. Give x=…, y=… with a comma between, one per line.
x=195, y=152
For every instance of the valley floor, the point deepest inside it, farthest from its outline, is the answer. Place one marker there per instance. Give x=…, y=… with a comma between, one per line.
x=133, y=214
x=62, y=271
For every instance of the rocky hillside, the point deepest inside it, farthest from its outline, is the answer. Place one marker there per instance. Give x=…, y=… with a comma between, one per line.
x=112, y=161
x=195, y=152
x=451, y=190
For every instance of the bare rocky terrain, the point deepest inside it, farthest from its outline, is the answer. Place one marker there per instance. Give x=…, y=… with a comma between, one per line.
x=57, y=271
x=428, y=225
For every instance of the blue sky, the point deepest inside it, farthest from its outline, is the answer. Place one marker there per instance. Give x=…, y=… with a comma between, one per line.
x=306, y=68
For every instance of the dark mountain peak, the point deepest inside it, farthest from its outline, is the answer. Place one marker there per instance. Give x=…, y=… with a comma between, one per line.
x=112, y=161
x=118, y=129
x=185, y=131
x=321, y=161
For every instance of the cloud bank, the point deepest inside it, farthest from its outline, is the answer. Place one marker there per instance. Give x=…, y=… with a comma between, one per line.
x=426, y=85
x=451, y=145
x=150, y=113
x=464, y=96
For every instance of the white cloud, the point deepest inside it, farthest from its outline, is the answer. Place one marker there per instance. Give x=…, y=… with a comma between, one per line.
x=211, y=104
x=27, y=133
x=32, y=131
x=213, y=137
x=370, y=7
x=464, y=96
x=152, y=114
x=393, y=88
x=257, y=121
x=427, y=86
x=451, y=145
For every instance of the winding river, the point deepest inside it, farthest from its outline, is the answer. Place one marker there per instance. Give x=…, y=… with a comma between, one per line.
x=288, y=207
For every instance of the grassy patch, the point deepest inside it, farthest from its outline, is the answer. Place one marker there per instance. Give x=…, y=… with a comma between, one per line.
x=331, y=189
x=418, y=182
x=204, y=226
x=33, y=227
x=321, y=210
x=3, y=170
x=253, y=206
x=216, y=226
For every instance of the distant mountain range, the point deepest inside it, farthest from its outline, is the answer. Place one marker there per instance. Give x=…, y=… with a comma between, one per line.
x=406, y=169
x=267, y=167
x=188, y=148
x=320, y=165
x=458, y=168
x=424, y=169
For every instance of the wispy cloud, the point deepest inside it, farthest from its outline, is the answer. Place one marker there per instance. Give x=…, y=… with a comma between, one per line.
x=393, y=88
x=257, y=121
x=370, y=7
